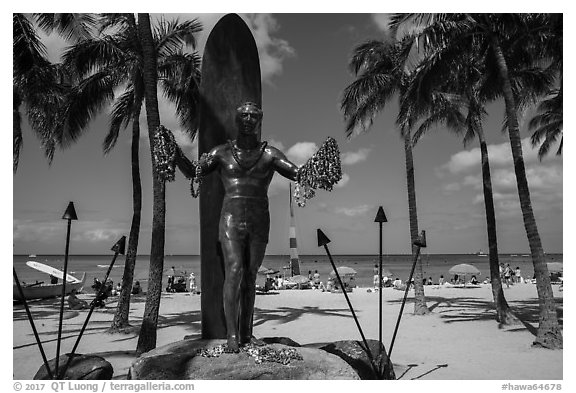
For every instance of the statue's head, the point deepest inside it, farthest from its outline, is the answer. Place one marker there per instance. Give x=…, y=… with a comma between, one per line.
x=248, y=115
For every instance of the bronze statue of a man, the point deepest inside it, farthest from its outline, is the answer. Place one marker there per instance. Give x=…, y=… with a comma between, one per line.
x=246, y=167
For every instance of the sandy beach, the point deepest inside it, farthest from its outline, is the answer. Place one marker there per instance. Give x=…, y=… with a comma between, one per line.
x=460, y=332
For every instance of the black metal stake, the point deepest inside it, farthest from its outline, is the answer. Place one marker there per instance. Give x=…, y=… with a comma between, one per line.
x=69, y=214
x=323, y=241
x=420, y=242
x=31, y=320
x=380, y=218
x=118, y=248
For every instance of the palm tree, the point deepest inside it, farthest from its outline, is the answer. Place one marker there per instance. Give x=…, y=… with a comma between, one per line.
x=455, y=96
x=147, y=337
x=110, y=61
x=39, y=85
x=379, y=68
x=520, y=36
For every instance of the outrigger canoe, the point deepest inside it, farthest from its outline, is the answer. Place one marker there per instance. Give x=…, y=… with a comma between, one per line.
x=45, y=291
x=40, y=290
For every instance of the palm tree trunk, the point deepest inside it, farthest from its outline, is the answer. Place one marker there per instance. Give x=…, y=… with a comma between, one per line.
x=549, y=334
x=420, y=307
x=503, y=313
x=147, y=338
x=121, y=320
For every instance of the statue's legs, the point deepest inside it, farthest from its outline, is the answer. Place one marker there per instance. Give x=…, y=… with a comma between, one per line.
x=233, y=251
x=248, y=297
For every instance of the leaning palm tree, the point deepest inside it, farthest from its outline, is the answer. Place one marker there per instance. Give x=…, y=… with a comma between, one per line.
x=110, y=61
x=453, y=94
x=508, y=39
x=379, y=68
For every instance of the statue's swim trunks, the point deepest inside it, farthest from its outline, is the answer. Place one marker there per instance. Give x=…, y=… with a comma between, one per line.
x=244, y=219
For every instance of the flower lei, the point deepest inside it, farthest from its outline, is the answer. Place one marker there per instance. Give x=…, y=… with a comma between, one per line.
x=259, y=353
x=205, y=160
x=164, y=152
x=322, y=170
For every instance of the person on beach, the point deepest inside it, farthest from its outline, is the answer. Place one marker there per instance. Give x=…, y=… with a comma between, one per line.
x=136, y=289
x=316, y=279
x=192, y=282
x=246, y=167
x=441, y=280
x=507, y=275
x=76, y=304
x=518, y=275
x=330, y=285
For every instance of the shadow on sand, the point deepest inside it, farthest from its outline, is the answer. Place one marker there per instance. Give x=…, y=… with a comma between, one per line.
x=469, y=309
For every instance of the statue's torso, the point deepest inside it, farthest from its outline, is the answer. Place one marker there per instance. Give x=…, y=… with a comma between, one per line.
x=248, y=174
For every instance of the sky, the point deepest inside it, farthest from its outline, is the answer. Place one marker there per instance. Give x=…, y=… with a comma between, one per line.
x=304, y=61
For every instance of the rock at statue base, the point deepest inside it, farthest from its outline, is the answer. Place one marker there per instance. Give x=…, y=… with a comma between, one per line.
x=184, y=360
x=83, y=367
x=353, y=353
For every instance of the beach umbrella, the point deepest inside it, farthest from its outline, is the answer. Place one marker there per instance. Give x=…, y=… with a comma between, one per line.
x=555, y=267
x=265, y=270
x=344, y=271
x=464, y=269
x=298, y=279
x=386, y=272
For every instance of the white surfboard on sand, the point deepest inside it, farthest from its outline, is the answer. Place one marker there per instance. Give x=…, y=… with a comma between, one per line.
x=51, y=270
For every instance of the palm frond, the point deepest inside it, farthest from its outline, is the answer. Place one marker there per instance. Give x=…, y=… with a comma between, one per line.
x=122, y=114
x=93, y=54
x=17, y=129
x=179, y=76
x=83, y=103
x=170, y=36
x=72, y=27
x=27, y=49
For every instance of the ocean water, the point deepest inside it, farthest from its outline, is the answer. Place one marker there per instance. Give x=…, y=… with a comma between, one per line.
x=434, y=265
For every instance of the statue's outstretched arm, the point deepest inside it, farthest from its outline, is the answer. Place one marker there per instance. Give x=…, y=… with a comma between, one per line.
x=186, y=166
x=283, y=165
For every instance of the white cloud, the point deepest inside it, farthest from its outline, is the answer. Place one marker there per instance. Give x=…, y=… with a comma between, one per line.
x=277, y=144
x=51, y=232
x=351, y=158
x=301, y=152
x=354, y=211
x=499, y=156
x=345, y=179
x=272, y=50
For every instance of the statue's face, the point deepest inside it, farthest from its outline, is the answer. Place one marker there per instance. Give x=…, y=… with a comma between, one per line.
x=248, y=118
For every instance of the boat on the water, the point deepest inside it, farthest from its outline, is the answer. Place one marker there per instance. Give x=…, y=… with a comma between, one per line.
x=41, y=290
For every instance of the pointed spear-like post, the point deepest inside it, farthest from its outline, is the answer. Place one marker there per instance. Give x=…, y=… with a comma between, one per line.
x=323, y=241
x=31, y=320
x=69, y=214
x=118, y=248
x=380, y=219
x=419, y=243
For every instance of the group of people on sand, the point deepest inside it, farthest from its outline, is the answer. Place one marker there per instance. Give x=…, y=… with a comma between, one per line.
x=102, y=291
x=278, y=282
x=510, y=276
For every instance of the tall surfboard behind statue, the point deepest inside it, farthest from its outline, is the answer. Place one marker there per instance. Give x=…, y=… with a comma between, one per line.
x=230, y=77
